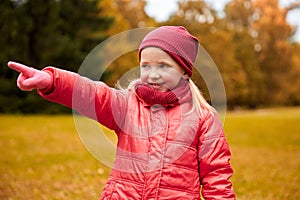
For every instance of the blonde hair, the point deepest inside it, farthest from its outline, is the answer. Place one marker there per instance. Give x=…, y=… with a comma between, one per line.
x=199, y=102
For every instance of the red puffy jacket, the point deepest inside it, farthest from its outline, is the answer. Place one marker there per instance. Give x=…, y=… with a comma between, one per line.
x=162, y=153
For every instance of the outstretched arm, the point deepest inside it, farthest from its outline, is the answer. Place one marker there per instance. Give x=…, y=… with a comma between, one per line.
x=93, y=99
x=30, y=78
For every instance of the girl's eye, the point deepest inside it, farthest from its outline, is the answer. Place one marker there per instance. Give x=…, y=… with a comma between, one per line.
x=163, y=66
x=145, y=66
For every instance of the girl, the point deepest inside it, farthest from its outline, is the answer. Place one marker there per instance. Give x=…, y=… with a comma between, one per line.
x=170, y=141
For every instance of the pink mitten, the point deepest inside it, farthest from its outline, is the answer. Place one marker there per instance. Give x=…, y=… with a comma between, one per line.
x=30, y=78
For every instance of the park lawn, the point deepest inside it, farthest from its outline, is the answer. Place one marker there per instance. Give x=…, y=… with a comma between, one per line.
x=42, y=157
x=265, y=148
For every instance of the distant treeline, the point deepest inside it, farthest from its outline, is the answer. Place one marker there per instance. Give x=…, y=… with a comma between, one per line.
x=252, y=45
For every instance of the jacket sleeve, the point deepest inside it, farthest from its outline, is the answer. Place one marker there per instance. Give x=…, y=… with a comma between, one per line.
x=214, y=156
x=93, y=99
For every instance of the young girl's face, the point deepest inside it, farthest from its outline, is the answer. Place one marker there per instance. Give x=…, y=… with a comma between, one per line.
x=159, y=70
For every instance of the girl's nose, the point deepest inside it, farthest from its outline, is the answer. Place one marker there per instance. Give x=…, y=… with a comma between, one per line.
x=154, y=73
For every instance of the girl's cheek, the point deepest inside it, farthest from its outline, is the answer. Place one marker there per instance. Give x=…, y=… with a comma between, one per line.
x=143, y=77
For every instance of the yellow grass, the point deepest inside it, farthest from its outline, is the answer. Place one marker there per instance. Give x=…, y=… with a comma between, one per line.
x=42, y=157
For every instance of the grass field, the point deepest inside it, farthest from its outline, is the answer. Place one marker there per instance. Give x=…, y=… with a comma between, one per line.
x=42, y=157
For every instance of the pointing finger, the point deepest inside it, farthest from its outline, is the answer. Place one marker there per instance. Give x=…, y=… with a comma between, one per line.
x=19, y=67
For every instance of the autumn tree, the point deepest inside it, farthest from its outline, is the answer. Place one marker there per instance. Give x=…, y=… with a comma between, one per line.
x=127, y=15
x=239, y=19
x=41, y=33
x=274, y=53
x=294, y=78
x=294, y=73
x=269, y=69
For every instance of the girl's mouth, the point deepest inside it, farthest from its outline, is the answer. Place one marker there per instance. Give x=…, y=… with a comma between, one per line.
x=155, y=86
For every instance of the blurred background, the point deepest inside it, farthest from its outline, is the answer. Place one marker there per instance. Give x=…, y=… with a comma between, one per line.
x=253, y=43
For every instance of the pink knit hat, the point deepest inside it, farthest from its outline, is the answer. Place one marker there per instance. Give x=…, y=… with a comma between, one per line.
x=177, y=42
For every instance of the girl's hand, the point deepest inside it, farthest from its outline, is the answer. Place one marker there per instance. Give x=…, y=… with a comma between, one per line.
x=30, y=78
